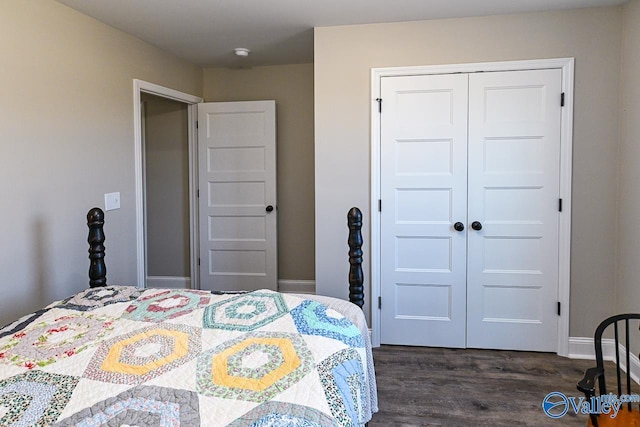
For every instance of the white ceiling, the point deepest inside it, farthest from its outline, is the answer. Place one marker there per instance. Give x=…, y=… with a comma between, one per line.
x=205, y=32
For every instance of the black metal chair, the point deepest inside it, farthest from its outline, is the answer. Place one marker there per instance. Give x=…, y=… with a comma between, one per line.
x=627, y=416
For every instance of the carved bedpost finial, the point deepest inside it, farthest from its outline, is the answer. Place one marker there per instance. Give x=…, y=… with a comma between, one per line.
x=356, y=277
x=97, y=269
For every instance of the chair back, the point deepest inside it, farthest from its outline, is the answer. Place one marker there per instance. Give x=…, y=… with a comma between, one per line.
x=617, y=321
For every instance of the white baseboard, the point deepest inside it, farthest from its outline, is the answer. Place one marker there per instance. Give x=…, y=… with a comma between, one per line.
x=168, y=282
x=297, y=286
x=583, y=348
x=635, y=366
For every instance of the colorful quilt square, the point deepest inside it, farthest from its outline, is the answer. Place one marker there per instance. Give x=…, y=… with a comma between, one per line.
x=22, y=323
x=148, y=406
x=245, y=312
x=311, y=318
x=144, y=354
x=254, y=367
x=93, y=298
x=46, y=342
x=164, y=305
x=342, y=378
x=34, y=398
x=280, y=414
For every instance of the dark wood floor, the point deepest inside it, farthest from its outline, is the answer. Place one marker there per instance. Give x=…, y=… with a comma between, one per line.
x=420, y=386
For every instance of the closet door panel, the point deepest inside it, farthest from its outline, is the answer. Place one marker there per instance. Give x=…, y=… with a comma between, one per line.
x=514, y=154
x=423, y=187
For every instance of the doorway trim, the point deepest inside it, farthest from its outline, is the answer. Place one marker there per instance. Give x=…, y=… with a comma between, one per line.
x=140, y=86
x=566, y=150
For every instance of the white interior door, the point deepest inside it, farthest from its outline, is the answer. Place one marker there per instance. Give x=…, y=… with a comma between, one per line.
x=514, y=181
x=237, y=187
x=470, y=148
x=424, y=191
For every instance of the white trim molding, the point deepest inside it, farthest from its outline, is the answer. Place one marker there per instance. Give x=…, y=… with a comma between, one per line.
x=297, y=286
x=566, y=150
x=140, y=86
x=583, y=348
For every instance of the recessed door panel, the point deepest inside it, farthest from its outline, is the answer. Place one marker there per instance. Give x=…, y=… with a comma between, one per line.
x=514, y=104
x=232, y=159
x=423, y=301
x=237, y=263
x=423, y=253
x=426, y=157
x=234, y=127
x=512, y=255
x=516, y=155
x=525, y=204
x=420, y=110
x=236, y=194
x=423, y=206
x=237, y=228
x=524, y=304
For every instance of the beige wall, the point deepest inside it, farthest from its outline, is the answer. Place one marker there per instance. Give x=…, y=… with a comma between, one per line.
x=344, y=57
x=292, y=88
x=66, y=138
x=628, y=250
x=166, y=187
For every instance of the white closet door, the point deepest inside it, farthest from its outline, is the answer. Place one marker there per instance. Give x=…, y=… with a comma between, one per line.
x=423, y=187
x=237, y=184
x=514, y=154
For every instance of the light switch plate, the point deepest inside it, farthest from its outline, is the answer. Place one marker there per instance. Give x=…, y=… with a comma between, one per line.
x=111, y=201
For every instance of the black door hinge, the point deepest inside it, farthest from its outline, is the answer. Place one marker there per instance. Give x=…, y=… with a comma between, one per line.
x=559, y=205
x=379, y=104
x=198, y=195
x=379, y=205
x=379, y=302
x=198, y=261
x=197, y=124
x=559, y=306
x=562, y=99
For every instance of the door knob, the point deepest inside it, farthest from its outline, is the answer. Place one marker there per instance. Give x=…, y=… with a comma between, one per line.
x=458, y=226
x=269, y=208
x=476, y=225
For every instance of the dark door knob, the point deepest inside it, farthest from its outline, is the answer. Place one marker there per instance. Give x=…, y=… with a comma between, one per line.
x=269, y=208
x=476, y=225
x=458, y=226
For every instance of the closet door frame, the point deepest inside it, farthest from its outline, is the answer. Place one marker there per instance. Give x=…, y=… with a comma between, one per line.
x=566, y=150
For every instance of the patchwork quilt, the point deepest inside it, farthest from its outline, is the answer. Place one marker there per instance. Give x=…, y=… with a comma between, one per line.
x=123, y=356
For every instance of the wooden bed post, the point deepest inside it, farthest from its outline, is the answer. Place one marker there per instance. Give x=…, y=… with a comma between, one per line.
x=97, y=269
x=356, y=277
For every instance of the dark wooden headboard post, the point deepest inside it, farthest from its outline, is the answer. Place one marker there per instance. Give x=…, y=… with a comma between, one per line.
x=356, y=277
x=97, y=269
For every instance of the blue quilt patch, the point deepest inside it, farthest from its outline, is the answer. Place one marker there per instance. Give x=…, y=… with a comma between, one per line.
x=311, y=318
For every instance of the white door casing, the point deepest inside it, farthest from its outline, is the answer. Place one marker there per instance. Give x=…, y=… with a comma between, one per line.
x=191, y=101
x=513, y=191
x=423, y=168
x=237, y=184
x=513, y=165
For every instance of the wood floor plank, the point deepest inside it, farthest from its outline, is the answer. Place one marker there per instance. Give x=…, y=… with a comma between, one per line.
x=419, y=386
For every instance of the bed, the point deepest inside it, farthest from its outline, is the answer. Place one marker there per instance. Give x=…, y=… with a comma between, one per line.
x=124, y=356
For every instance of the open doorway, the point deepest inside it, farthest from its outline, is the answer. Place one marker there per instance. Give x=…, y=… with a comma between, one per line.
x=165, y=143
x=166, y=186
